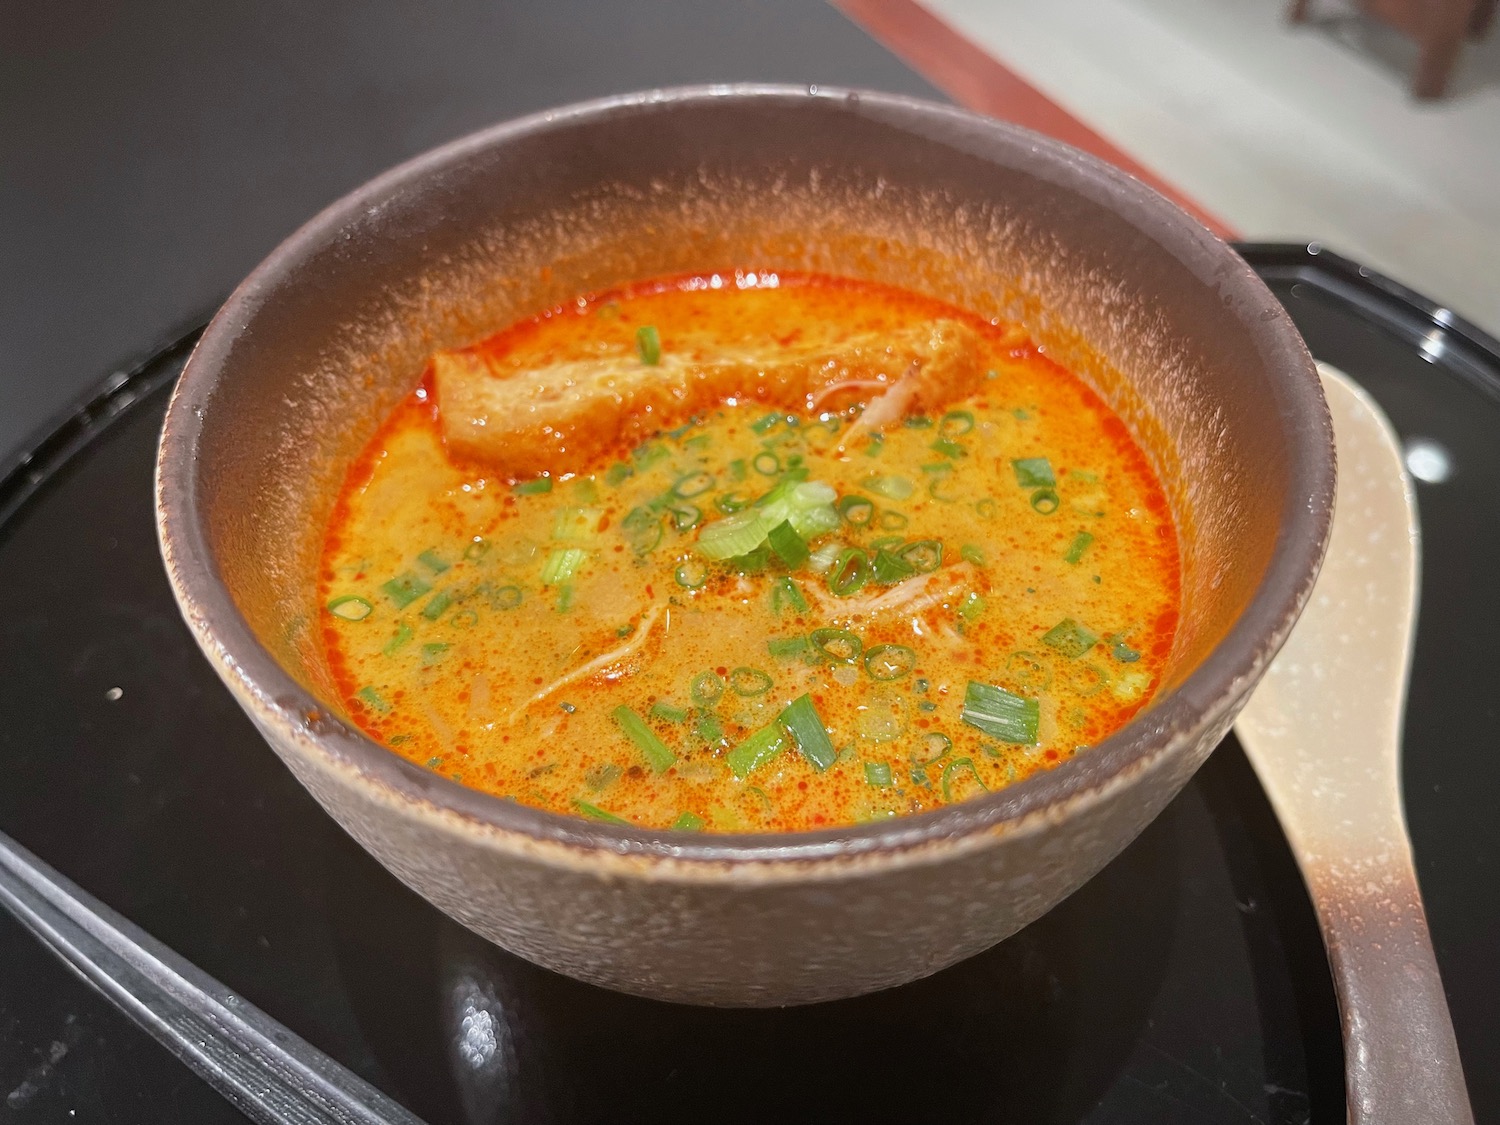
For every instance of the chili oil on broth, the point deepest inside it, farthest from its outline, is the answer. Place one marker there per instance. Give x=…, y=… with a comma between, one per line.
x=497, y=630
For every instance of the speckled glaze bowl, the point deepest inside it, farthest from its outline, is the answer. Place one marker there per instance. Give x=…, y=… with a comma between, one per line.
x=313, y=349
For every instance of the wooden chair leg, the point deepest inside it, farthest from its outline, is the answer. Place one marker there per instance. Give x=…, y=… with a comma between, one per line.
x=1441, y=41
x=1297, y=13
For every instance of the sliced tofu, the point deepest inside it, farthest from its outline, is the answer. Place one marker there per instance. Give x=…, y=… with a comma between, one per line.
x=558, y=418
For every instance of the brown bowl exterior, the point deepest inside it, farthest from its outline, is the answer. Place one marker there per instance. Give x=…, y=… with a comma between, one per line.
x=1162, y=318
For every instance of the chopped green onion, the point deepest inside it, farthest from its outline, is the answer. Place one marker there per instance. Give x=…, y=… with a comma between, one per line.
x=691, y=574
x=665, y=711
x=464, y=619
x=594, y=812
x=577, y=525
x=892, y=521
x=532, y=487
x=437, y=605
x=919, y=422
x=924, y=556
x=956, y=423
x=986, y=508
x=892, y=488
x=731, y=502
x=801, y=719
x=506, y=597
x=937, y=467
x=693, y=484
x=943, y=490
x=951, y=772
x=790, y=547
x=406, y=588
x=766, y=464
x=749, y=681
x=824, y=557
x=756, y=751
x=1081, y=543
x=972, y=606
x=933, y=747
x=642, y=530
x=1034, y=472
x=786, y=646
x=761, y=425
x=972, y=554
x=1122, y=651
x=890, y=662
x=889, y=568
x=877, y=443
x=649, y=453
x=350, y=607
x=706, y=689
x=478, y=547
x=372, y=699
x=752, y=562
x=785, y=592
x=685, y=517
x=838, y=645
x=1069, y=638
x=432, y=653
x=945, y=447
x=656, y=752
x=1045, y=501
x=565, y=597
x=999, y=714
x=733, y=535
x=687, y=822
x=849, y=573
x=615, y=475
x=856, y=510
x=886, y=542
x=878, y=774
x=708, y=729
x=1130, y=686
x=562, y=565
x=648, y=344
x=400, y=637
x=433, y=562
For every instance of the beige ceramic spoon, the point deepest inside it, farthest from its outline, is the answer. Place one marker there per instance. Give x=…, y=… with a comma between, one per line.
x=1323, y=731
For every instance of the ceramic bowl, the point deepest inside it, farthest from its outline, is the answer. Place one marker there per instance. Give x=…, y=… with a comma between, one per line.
x=1162, y=318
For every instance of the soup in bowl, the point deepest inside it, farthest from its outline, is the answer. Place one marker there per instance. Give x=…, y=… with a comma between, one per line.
x=749, y=545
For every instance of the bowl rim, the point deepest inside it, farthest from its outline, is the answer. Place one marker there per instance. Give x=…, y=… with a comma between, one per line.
x=1209, y=693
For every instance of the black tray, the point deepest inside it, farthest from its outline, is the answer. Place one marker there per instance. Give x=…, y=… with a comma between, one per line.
x=1186, y=983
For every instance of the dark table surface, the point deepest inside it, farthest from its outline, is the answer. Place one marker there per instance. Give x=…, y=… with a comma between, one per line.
x=151, y=153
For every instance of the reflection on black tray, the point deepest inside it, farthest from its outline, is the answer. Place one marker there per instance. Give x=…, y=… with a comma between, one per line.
x=1185, y=983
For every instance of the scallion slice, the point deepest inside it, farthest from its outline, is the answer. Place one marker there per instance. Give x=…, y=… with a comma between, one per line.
x=433, y=562
x=691, y=574
x=708, y=729
x=999, y=714
x=892, y=488
x=890, y=662
x=765, y=423
x=973, y=554
x=786, y=593
x=405, y=588
x=790, y=547
x=849, y=573
x=891, y=521
x=372, y=699
x=350, y=607
x=692, y=484
x=666, y=712
x=1122, y=651
x=400, y=637
x=889, y=568
x=756, y=751
x=924, y=556
x=656, y=752
x=532, y=487
x=878, y=774
x=956, y=423
x=687, y=822
x=562, y=565
x=594, y=812
x=706, y=689
x=801, y=719
x=767, y=464
x=1034, y=472
x=648, y=344
x=952, y=772
x=856, y=510
x=786, y=646
x=685, y=516
x=577, y=525
x=839, y=645
x=1069, y=638
x=731, y=502
x=1081, y=543
x=749, y=681
x=946, y=447
x=734, y=535
x=437, y=605
x=1045, y=501
x=972, y=606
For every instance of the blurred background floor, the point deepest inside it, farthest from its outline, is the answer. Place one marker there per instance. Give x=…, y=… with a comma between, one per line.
x=1285, y=131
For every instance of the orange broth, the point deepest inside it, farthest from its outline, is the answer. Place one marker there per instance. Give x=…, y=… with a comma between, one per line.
x=972, y=596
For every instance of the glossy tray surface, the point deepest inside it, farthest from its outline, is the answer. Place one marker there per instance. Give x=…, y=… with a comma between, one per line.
x=1186, y=983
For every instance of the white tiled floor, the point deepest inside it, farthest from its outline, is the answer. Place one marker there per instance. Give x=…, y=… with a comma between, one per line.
x=1285, y=132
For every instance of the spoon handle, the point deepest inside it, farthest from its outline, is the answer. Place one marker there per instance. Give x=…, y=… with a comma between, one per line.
x=1401, y=1061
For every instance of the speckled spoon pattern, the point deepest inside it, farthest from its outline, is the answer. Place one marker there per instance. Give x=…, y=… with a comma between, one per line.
x=1323, y=731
